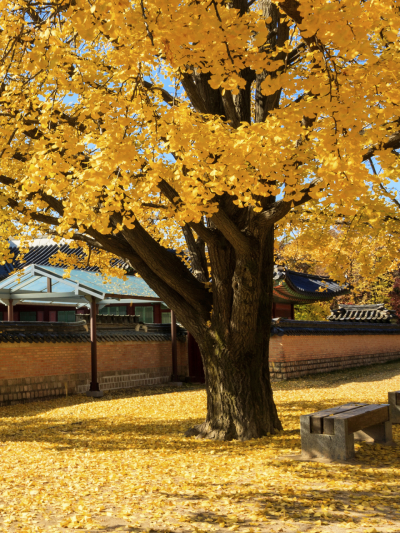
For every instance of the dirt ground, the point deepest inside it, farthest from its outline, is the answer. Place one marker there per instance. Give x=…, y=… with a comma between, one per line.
x=121, y=464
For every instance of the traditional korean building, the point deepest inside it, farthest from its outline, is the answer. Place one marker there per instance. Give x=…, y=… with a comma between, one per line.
x=39, y=254
x=290, y=288
x=293, y=288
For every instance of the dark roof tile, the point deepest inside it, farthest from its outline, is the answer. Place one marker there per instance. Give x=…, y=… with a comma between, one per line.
x=372, y=313
x=40, y=255
x=281, y=326
x=34, y=332
x=296, y=287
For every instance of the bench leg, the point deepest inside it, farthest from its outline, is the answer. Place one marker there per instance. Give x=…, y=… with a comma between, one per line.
x=394, y=409
x=379, y=433
x=337, y=447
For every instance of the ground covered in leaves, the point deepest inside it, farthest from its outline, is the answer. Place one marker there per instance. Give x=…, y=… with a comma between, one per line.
x=122, y=464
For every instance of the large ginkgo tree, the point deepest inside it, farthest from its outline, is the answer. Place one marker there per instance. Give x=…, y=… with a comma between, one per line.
x=149, y=125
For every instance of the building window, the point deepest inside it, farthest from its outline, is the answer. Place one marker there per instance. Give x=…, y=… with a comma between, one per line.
x=145, y=314
x=66, y=316
x=166, y=317
x=27, y=316
x=115, y=310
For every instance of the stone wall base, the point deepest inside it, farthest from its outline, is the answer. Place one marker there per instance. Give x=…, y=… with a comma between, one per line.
x=21, y=390
x=302, y=367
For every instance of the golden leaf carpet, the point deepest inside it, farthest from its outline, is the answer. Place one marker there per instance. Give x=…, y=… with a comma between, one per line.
x=122, y=464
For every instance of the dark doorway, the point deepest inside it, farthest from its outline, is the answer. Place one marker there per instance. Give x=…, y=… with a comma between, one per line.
x=196, y=369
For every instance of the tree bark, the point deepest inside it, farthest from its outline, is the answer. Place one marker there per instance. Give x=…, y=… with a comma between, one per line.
x=235, y=347
x=240, y=403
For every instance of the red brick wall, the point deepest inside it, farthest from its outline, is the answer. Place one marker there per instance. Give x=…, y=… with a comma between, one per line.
x=48, y=359
x=292, y=356
x=38, y=370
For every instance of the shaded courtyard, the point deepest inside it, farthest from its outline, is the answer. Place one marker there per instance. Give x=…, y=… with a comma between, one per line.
x=121, y=464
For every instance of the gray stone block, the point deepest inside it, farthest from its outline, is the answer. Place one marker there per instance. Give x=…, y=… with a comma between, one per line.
x=394, y=408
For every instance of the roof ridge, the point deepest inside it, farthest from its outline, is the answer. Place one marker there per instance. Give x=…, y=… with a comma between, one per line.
x=314, y=276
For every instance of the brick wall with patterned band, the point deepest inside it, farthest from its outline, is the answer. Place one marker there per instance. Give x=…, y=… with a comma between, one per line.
x=293, y=355
x=43, y=369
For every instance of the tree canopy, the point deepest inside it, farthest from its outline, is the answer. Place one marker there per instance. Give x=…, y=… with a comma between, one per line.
x=87, y=122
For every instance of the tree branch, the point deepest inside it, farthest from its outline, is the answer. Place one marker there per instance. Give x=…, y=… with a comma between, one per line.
x=280, y=209
x=239, y=241
x=117, y=245
x=165, y=264
x=195, y=258
x=79, y=237
x=166, y=96
x=392, y=143
x=170, y=193
x=51, y=201
x=193, y=94
x=230, y=110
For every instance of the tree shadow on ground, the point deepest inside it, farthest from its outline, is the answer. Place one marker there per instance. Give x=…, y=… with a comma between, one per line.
x=49, y=403
x=268, y=505
x=328, y=380
x=143, y=432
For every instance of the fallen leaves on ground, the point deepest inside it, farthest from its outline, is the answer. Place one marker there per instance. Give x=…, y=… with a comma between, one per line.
x=122, y=464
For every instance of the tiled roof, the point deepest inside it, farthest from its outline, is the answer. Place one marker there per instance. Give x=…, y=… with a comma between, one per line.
x=39, y=254
x=104, y=336
x=361, y=313
x=282, y=326
x=75, y=287
x=36, y=332
x=296, y=287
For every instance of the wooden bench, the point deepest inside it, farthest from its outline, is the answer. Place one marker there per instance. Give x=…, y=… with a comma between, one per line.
x=331, y=433
x=394, y=402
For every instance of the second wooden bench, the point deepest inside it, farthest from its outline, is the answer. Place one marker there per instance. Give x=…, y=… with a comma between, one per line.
x=331, y=433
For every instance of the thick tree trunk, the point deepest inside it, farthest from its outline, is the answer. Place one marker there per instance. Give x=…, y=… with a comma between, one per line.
x=235, y=347
x=240, y=404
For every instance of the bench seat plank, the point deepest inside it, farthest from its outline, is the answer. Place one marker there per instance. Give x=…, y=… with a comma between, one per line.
x=358, y=419
x=317, y=419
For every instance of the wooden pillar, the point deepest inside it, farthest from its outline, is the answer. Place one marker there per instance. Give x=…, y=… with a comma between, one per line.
x=94, y=385
x=174, y=348
x=48, y=284
x=10, y=309
x=157, y=313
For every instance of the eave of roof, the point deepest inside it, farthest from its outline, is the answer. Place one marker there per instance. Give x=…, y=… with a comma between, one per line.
x=78, y=287
x=288, y=288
